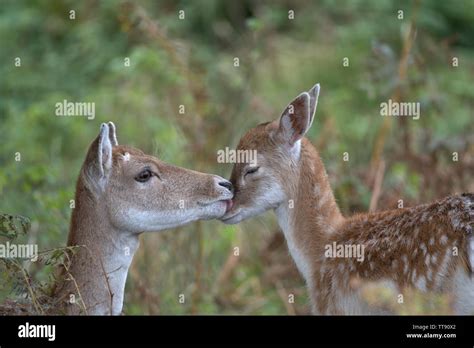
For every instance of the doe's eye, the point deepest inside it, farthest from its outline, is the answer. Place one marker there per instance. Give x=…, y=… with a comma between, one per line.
x=144, y=176
x=251, y=170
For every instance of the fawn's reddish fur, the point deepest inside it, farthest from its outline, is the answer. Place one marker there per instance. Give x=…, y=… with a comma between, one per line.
x=429, y=247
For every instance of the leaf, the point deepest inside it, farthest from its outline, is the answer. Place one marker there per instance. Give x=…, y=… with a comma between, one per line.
x=11, y=226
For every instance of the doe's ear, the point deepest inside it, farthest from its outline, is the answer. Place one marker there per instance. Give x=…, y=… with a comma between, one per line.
x=295, y=119
x=313, y=103
x=104, y=151
x=99, y=158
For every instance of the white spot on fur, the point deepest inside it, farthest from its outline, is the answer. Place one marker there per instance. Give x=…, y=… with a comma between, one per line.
x=456, y=222
x=444, y=239
x=424, y=217
x=427, y=259
x=430, y=274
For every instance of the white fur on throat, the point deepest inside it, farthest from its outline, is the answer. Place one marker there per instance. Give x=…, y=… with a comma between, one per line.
x=284, y=220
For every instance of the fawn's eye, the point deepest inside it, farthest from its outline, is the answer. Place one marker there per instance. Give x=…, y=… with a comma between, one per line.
x=251, y=170
x=144, y=176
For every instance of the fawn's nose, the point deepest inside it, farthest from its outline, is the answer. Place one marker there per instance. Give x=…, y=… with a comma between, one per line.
x=227, y=185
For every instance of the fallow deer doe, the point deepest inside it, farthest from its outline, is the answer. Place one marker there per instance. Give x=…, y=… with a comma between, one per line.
x=428, y=247
x=120, y=193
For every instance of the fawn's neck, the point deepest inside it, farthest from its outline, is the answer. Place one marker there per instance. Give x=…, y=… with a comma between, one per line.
x=100, y=265
x=310, y=213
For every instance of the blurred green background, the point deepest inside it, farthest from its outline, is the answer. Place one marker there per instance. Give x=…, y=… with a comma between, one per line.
x=190, y=62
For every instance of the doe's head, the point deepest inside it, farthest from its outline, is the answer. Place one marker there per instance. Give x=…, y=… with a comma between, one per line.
x=141, y=193
x=260, y=187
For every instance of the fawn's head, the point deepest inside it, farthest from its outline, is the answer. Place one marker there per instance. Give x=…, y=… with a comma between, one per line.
x=260, y=187
x=141, y=193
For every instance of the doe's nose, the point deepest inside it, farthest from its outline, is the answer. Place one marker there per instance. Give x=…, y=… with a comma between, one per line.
x=227, y=185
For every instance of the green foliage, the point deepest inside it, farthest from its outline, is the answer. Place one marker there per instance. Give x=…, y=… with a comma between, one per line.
x=32, y=293
x=11, y=226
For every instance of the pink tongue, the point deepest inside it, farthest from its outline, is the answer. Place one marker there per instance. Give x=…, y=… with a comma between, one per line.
x=230, y=204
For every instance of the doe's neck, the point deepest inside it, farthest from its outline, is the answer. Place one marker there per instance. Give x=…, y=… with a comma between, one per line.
x=100, y=265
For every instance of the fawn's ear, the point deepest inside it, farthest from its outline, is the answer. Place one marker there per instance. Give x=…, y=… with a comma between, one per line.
x=313, y=102
x=112, y=134
x=99, y=157
x=295, y=120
